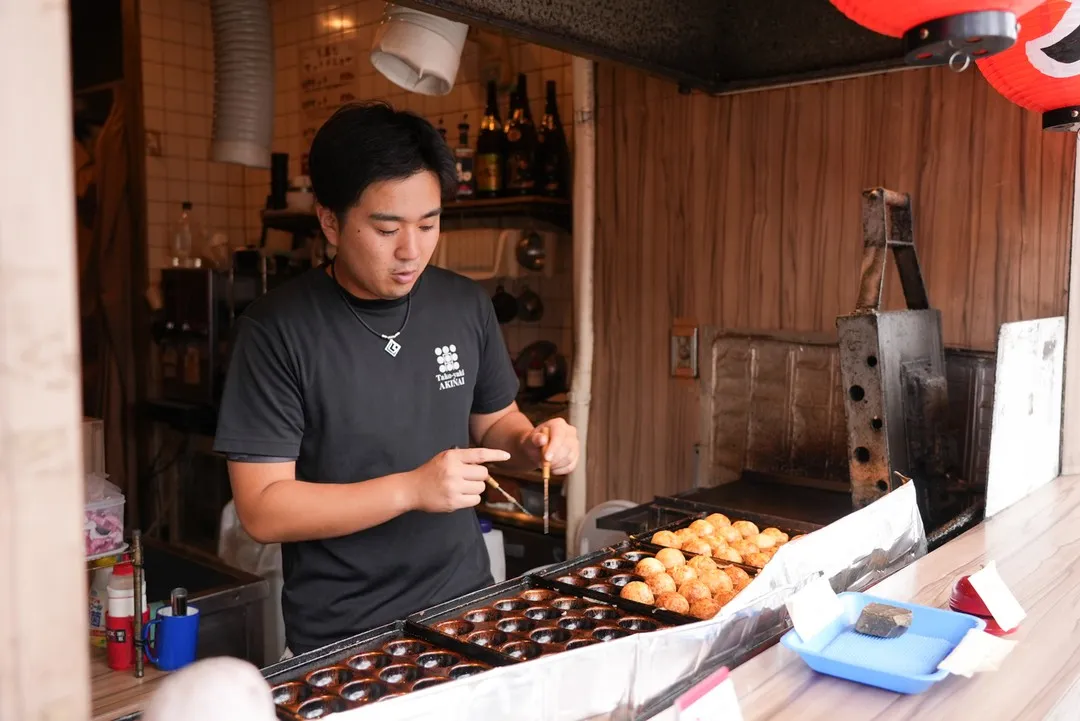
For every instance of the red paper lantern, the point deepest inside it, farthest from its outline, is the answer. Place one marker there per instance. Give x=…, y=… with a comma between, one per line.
x=939, y=32
x=1042, y=71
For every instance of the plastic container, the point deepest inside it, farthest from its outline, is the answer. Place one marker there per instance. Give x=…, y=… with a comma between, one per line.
x=493, y=539
x=103, y=520
x=907, y=664
x=239, y=550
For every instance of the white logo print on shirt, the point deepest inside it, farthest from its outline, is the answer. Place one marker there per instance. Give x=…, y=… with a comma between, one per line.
x=450, y=373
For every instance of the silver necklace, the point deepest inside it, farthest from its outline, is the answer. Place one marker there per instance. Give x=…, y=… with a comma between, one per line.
x=392, y=347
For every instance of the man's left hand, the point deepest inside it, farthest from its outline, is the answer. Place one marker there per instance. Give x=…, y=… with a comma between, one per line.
x=562, y=446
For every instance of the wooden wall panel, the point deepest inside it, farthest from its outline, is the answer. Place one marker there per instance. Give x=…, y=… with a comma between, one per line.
x=743, y=212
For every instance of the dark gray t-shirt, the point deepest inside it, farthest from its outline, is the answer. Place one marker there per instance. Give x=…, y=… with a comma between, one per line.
x=308, y=382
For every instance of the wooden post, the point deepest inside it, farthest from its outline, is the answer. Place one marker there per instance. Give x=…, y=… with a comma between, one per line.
x=44, y=657
x=1070, y=426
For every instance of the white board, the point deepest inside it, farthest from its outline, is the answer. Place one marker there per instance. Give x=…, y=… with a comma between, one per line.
x=1025, y=437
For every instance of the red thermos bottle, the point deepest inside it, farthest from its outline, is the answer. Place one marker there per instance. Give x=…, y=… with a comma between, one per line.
x=120, y=618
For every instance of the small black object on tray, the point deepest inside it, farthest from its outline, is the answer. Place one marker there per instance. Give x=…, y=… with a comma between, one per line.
x=883, y=621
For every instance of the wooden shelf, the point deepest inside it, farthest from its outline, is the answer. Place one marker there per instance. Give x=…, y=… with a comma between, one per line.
x=526, y=212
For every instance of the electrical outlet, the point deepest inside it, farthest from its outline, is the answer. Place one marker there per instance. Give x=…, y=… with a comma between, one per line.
x=684, y=349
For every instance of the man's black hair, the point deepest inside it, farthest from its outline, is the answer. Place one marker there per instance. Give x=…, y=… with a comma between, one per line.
x=367, y=142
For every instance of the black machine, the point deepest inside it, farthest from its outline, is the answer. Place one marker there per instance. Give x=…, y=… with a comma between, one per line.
x=200, y=308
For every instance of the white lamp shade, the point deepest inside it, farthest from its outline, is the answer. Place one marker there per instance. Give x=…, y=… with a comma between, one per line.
x=417, y=51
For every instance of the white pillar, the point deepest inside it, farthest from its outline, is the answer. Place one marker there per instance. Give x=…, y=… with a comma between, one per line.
x=44, y=660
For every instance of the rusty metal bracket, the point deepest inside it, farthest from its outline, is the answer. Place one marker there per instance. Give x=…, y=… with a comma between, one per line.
x=887, y=225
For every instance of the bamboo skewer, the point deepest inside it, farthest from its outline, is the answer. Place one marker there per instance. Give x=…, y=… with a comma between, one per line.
x=495, y=484
x=545, y=470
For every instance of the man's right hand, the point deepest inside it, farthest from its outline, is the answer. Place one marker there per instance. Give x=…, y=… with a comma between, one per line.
x=454, y=479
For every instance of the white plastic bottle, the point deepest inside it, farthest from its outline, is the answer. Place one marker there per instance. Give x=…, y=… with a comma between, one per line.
x=493, y=539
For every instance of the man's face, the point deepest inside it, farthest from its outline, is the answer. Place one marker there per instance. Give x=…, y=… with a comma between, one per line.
x=387, y=238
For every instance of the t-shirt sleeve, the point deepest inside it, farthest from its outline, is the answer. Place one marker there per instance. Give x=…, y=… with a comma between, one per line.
x=497, y=381
x=262, y=410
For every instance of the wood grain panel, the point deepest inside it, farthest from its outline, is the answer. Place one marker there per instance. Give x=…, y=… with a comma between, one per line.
x=743, y=212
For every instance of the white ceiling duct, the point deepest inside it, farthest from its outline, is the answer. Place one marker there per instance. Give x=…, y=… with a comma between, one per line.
x=417, y=51
x=243, y=82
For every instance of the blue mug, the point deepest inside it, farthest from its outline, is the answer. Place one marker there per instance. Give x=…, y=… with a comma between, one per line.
x=175, y=639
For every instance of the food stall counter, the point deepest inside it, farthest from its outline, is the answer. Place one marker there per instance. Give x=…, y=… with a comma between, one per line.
x=1036, y=546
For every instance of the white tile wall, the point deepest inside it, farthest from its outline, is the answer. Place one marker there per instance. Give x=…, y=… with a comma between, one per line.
x=178, y=66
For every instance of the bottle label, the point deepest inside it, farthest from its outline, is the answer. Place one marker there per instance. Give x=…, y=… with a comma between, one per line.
x=519, y=172
x=488, y=173
x=465, y=177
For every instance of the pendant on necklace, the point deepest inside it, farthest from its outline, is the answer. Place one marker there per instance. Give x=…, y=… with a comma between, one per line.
x=392, y=347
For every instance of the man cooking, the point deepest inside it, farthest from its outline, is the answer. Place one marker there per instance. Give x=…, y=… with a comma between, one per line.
x=354, y=391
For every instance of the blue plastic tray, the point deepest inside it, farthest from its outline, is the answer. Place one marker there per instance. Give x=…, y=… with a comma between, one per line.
x=907, y=664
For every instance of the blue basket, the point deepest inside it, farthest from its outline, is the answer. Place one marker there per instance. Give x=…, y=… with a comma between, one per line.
x=907, y=664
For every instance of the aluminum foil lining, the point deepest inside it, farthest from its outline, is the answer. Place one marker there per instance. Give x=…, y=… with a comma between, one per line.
x=635, y=676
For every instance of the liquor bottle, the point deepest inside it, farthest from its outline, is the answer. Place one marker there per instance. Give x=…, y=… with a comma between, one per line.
x=463, y=158
x=553, y=156
x=520, y=144
x=442, y=130
x=490, y=161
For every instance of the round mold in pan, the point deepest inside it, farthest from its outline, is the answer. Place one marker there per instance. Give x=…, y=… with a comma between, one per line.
x=329, y=677
x=542, y=613
x=618, y=564
x=602, y=613
x=406, y=647
x=400, y=673
x=482, y=615
x=573, y=622
x=363, y=691
x=459, y=627
x=467, y=669
x=569, y=603
x=638, y=624
x=592, y=572
x=523, y=650
x=489, y=638
x=537, y=595
x=607, y=588
x=550, y=635
x=635, y=556
x=609, y=633
x=437, y=659
x=516, y=624
x=572, y=580
x=321, y=707
x=290, y=693
x=581, y=643
x=509, y=605
x=428, y=683
x=370, y=661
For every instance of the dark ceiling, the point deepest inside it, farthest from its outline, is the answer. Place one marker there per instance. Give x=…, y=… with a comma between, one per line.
x=711, y=45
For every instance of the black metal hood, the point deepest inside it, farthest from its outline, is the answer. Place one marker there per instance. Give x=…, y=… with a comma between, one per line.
x=712, y=45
